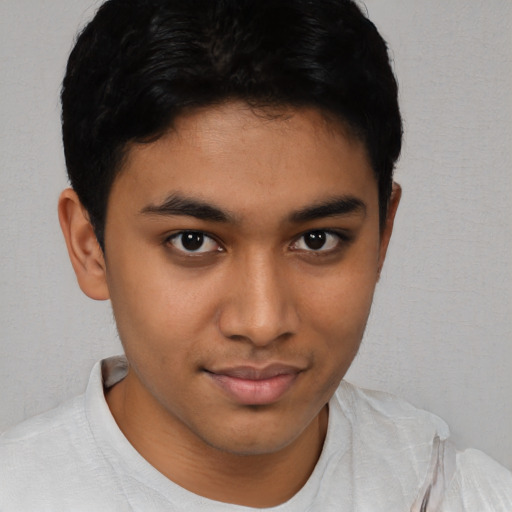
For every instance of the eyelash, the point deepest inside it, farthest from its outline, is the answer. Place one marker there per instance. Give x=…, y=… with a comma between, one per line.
x=342, y=238
x=205, y=237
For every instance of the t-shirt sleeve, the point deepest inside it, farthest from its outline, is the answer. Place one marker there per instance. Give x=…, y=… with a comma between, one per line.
x=479, y=484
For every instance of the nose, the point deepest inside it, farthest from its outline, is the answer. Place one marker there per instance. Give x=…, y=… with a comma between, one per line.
x=260, y=305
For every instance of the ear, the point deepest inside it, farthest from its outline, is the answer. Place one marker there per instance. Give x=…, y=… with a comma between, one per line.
x=394, y=201
x=83, y=248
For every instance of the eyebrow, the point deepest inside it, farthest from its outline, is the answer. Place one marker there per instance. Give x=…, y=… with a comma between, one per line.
x=333, y=207
x=177, y=204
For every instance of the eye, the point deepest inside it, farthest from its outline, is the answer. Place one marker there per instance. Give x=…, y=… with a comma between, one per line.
x=317, y=241
x=195, y=242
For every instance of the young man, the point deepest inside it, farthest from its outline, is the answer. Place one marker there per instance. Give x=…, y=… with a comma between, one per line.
x=231, y=164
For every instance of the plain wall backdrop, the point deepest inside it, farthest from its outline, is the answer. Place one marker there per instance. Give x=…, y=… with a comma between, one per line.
x=440, y=334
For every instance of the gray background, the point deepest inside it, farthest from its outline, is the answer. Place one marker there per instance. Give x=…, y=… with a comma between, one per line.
x=440, y=331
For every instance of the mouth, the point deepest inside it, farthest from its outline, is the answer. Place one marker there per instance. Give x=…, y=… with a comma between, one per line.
x=249, y=385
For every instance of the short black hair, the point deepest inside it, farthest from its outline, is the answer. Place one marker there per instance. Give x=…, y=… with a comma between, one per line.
x=141, y=63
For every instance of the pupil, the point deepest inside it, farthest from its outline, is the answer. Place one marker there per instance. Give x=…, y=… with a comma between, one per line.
x=315, y=240
x=192, y=241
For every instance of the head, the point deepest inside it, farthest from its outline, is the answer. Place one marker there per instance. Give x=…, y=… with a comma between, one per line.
x=140, y=64
x=234, y=160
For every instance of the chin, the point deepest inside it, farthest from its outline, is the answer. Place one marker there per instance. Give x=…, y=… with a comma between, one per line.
x=247, y=448
x=252, y=440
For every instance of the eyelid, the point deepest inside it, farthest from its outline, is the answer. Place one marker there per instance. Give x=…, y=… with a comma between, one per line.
x=188, y=253
x=342, y=235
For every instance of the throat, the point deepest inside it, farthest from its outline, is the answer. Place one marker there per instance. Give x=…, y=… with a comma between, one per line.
x=263, y=481
x=260, y=481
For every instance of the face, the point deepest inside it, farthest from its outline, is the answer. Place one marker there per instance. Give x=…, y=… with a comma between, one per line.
x=242, y=252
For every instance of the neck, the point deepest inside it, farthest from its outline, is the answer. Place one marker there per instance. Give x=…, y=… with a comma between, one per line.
x=260, y=481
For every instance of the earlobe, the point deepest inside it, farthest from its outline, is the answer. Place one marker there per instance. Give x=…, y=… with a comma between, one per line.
x=84, y=250
x=394, y=201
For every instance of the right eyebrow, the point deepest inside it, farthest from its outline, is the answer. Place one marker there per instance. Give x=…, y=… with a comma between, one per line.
x=177, y=204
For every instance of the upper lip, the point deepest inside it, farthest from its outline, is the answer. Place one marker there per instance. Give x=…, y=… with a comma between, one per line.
x=249, y=372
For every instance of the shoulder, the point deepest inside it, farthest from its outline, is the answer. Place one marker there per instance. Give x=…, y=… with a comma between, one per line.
x=54, y=460
x=396, y=435
x=376, y=411
x=388, y=448
x=42, y=432
x=40, y=453
x=479, y=483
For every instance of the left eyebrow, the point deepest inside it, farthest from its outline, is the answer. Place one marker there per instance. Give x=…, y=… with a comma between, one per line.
x=333, y=207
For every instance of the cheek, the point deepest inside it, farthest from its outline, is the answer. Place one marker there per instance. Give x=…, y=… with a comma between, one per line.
x=154, y=304
x=338, y=311
x=343, y=298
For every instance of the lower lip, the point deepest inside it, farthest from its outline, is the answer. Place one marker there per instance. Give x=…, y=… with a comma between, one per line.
x=255, y=392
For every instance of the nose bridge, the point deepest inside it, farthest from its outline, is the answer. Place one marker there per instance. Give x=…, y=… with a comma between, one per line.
x=260, y=307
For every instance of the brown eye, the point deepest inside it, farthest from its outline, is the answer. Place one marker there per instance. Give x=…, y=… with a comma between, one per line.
x=194, y=242
x=317, y=241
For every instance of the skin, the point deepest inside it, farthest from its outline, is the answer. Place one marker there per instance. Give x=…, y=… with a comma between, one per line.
x=255, y=297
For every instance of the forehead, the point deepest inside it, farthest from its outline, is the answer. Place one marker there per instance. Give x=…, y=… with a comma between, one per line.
x=247, y=159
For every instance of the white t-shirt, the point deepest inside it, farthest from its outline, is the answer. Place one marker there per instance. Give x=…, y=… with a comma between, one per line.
x=380, y=454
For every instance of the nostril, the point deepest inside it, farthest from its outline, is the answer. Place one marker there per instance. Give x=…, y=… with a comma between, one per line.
x=259, y=340
x=238, y=337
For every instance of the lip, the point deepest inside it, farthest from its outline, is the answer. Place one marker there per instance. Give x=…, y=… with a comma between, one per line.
x=248, y=385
